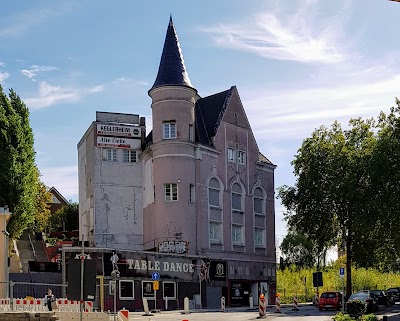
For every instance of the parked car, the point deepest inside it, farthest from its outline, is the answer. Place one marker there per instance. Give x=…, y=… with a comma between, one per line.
x=330, y=300
x=394, y=293
x=382, y=298
x=371, y=302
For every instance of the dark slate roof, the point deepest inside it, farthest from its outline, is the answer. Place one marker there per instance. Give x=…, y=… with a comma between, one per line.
x=172, y=70
x=209, y=111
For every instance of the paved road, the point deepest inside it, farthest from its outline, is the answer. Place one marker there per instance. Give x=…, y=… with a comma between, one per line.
x=307, y=313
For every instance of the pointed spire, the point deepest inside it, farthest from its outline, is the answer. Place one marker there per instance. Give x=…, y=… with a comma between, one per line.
x=172, y=70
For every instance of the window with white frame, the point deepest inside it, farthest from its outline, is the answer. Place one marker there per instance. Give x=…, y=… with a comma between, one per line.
x=259, y=237
x=213, y=192
x=169, y=130
x=130, y=156
x=109, y=154
x=215, y=232
x=237, y=237
x=231, y=155
x=258, y=201
x=126, y=290
x=241, y=157
x=192, y=197
x=171, y=192
x=236, y=197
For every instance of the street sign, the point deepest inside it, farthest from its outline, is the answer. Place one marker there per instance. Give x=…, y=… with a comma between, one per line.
x=155, y=276
x=341, y=272
x=156, y=285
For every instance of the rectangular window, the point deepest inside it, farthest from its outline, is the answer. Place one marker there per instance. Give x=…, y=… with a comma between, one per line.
x=259, y=237
x=191, y=133
x=215, y=235
x=169, y=130
x=236, y=201
x=231, y=155
x=213, y=197
x=109, y=155
x=236, y=234
x=258, y=205
x=192, y=193
x=169, y=290
x=171, y=192
x=130, y=156
x=126, y=290
x=241, y=157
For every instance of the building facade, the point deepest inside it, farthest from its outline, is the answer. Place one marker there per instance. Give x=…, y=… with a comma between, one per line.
x=201, y=189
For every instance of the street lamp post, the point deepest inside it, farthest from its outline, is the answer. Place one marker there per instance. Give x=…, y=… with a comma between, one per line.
x=6, y=239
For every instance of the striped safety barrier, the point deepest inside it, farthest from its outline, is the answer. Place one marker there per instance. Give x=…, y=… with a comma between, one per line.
x=277, y=305
x=68, y=305
x=295, y=304
x=88, y=306
x=123, y=315
x=5, y=305
x=262, y=307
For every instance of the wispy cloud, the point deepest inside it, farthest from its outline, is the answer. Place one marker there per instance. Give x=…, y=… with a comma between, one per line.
x=302, y=110
x=50, y=95
x=122, y=80
x=64, y=178
x=17, y=25
x=2, y=63
x=275, y=35
x=35, y=69
x=3, y=76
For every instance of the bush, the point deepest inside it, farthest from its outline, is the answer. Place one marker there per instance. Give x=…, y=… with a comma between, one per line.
x=342, y=317
x=370, y=317
x=356, y=308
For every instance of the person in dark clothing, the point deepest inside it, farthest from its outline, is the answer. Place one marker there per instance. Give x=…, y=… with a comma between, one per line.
x=48, y=299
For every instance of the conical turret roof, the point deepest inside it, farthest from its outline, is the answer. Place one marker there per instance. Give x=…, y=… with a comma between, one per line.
x=172, y=70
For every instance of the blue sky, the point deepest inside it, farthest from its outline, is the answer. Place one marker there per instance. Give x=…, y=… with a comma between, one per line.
x=297, y=65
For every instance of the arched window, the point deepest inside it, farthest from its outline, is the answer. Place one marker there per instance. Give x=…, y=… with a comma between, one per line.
x=236, y=197
x=213, y=192
x=258, y=201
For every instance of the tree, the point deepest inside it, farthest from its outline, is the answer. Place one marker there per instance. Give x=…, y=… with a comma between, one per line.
x=66, y=218
x=42, y=207
x=298, y=250
x=331, y=197
x=18, y=172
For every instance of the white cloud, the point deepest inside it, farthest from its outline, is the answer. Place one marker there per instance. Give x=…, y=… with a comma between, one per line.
x=295, y=112
x=63, y=178
x=285, y=37
x=122, y=80
x=3, y=76
x=50, y=95
x=35, y=69
x=2, y=63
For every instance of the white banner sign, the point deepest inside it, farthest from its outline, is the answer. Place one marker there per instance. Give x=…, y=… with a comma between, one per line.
x=118, y=130
x=116, y=142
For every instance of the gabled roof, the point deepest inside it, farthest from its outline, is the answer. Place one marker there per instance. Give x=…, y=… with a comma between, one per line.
x=263, y=159
x=172, y=70
x=209, y=112
x=58, y=195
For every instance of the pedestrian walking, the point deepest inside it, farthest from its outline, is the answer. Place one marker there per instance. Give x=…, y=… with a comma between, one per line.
x=49, y=298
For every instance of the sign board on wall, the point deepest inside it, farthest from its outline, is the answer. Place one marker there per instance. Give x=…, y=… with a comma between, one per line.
x=179, y=247
x=115, y=142
x=118, y=130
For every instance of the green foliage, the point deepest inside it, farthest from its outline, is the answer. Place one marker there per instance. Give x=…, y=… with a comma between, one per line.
x=356, y=308
x=370, y=317
x=298, y=250
x=67, y=218
x=18, y=172
x=342, y=317
x=298, y=282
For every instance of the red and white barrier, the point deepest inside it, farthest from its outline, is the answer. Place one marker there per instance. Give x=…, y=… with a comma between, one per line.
x=5, y=305
x=277, y=305
x=295, y=304
x=88, y=306
x=262, y=307
x=123, y=315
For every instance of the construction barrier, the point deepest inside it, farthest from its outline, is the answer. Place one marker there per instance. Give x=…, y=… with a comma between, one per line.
x=295, y=304
x=86, y=316
x=5, y=305
x=123, y=315
x=262, y=307
x=277, y=305
x=88, y=306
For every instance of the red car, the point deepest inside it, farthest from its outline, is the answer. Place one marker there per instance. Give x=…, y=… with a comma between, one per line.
x=330, y=300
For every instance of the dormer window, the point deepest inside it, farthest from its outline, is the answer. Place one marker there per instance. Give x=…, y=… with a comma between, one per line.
x=169, y=130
